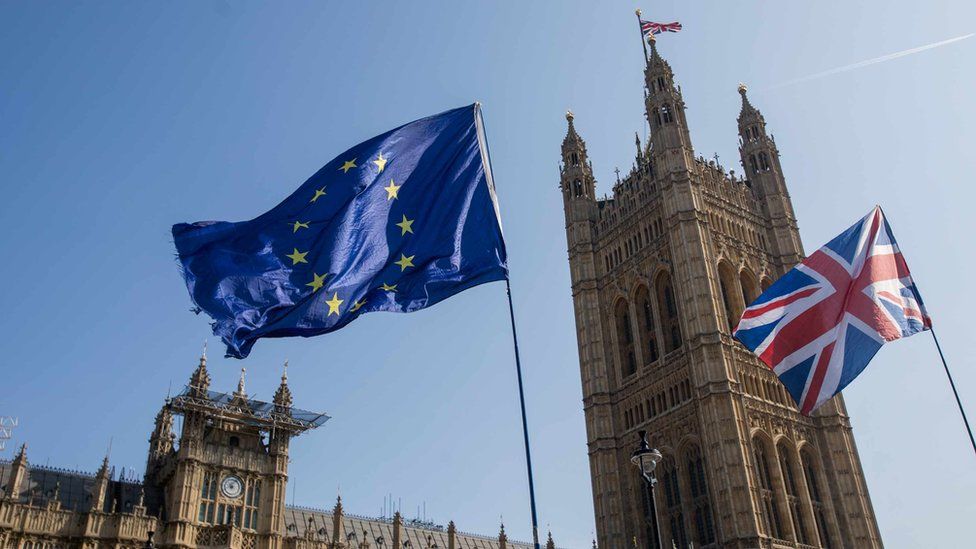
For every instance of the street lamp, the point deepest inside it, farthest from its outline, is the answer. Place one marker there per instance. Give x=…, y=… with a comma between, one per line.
x=646, y=459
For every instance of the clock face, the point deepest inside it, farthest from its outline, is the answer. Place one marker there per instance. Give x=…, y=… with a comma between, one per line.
x=231, y=487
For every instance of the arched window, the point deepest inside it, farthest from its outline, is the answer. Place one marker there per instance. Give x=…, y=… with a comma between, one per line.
x=646, y=328
x=748, y=284
x=792, y=493
x=625, y=338
x=666, y=114
x=764, y=161
x=574, y=158
x=577, y=188
x=661, y=83
x=752, y=164
x=774, y=526
x=726, y=281
x=668, y=477
x=701, y=514
x=809, y=464
x=669, y=313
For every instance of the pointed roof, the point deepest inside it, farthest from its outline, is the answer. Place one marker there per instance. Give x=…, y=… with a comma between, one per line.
x=282, y=396
x=240, y=385
x=549, y=543
x=656, y=63
x=103, y=470
x=572, y=138
x=200, y=380
x=748, y=110
x=21, y=454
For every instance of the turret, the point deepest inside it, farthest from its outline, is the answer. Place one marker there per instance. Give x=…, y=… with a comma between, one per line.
x=18, y=472
x=338, y=524
x=200, y=380
x=397, y=533
x=282, y=397
x=451, y=535
x=162, y=439
x=760, y=160
x=665, y=111
x=100, y=490
x=576, y=173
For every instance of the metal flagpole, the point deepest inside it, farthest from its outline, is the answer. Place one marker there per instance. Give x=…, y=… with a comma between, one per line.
x=525, y=425
x=641, y=29
x=954, y=392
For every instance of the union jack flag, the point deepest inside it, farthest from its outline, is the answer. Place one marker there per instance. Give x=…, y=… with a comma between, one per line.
x=649, y=27
x=819, y=325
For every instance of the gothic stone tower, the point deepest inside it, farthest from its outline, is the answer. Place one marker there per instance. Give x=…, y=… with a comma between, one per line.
x=660, y=272
x=224, y=484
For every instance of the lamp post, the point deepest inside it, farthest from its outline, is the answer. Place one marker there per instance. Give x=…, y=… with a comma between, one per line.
x=646, y=459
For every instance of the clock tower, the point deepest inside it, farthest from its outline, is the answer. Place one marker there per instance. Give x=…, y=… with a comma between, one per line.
x=223, y=484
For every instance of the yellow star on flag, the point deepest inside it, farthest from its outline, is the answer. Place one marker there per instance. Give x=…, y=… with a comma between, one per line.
x=348, y=165
x=317, y=282
x=380, y=162
x=299, y=225
x=387, y=288
x=318, y=193
x=406, y=226
x=297, y=257
x=357, y=305
x=405, y=262
x=391, y=190
x=334, y=304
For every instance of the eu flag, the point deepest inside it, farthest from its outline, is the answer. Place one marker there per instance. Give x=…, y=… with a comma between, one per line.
x=397, y=223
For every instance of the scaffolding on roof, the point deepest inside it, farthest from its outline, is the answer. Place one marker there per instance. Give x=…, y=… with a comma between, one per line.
x=263, y=415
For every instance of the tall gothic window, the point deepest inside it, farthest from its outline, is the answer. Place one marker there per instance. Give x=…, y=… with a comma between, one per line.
x=792, y=497
x=672, y=503
x=774, y=526
x=577, y=188
x=666, y=116
x=669, y=313
x=748, y=285
x=661, y=83
x=657, y=117
x=625, y=338
x=646, y=328
x=752, y=164
x=764, y=161
x=574, y=158
x=816, y=497
x=208, y=498
x=726, y=281
x=701, y=506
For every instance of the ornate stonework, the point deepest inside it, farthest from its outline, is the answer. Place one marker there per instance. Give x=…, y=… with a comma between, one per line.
x=220, y=483
x=660, y=271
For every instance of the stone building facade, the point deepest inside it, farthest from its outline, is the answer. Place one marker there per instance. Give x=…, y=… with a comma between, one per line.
x=661, y=271
x=221, y=482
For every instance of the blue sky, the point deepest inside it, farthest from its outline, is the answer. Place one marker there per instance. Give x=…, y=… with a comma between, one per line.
x=121, y=118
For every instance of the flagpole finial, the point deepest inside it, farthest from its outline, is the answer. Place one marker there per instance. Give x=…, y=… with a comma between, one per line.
x=569, y=115
x=650, y=38
x=638, y=12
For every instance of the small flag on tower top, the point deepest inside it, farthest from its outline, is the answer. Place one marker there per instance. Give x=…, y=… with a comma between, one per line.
x=819, y=325
x=650, y=27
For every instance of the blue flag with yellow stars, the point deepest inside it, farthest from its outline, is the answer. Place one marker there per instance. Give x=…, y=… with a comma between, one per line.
x=397, y=223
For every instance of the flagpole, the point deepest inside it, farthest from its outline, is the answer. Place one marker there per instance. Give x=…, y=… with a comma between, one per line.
x=641, y=30
x=954, y=391
x=525, y=425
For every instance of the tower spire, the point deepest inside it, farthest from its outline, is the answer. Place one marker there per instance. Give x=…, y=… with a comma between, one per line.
x=240, y=385
x=200, y=380
x=282, y=397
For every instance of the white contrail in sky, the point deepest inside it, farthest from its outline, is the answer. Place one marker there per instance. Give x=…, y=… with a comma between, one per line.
x=881, y=59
